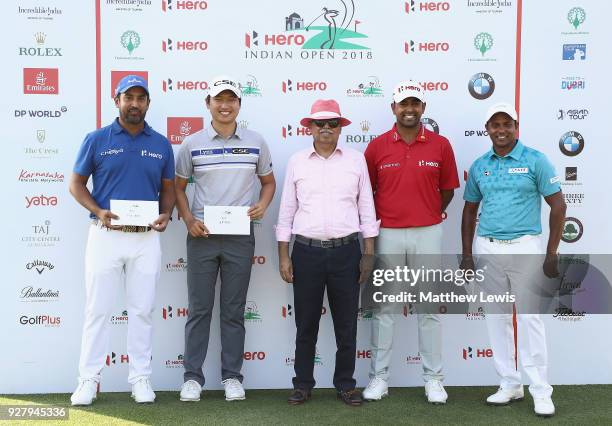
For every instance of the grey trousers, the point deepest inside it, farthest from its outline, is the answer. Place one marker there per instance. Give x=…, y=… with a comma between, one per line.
x=232, y=255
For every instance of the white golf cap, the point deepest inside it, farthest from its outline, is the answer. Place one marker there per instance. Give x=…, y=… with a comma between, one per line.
x=408, y=89
x=502, y=107
x=221, y=83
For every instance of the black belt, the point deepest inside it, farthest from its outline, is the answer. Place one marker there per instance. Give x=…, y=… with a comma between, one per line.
x=334, y=242
x=123, y=228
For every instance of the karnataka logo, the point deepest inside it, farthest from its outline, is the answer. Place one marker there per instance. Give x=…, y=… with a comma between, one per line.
x=251, y=87
x=576, y=16
x=369, y=88
x=481, y=86
x=483, y=42
x=571, y=143
x=572, y=230
x=251, y=313
x=130, y=40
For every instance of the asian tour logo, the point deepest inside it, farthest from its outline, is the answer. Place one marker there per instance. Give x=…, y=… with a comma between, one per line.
x=370, y=88
x=333, y=30
x=251, y=313
x=250, y=87
x=572, y=230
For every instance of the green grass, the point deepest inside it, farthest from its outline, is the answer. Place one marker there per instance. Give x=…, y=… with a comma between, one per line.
x=575, y=405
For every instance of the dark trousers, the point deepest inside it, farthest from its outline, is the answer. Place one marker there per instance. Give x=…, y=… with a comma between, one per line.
x=314, y=269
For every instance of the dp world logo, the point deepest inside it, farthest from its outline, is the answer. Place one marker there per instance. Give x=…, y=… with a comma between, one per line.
x=130, y=40
x=483, y=42
x=431, y=124
x=571, y=143
x=576, y=16
x=572, y=230
x=481, y=85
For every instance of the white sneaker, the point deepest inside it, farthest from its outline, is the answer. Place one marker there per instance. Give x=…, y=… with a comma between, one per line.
x=376, y=389
x=506, y=396
x=233, y=390
x=435, y=393
x=544, y=406
x=142, y=392
x=85, y=393
x=190, y=391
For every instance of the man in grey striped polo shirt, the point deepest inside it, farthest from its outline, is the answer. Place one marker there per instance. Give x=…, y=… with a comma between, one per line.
x=224, y=162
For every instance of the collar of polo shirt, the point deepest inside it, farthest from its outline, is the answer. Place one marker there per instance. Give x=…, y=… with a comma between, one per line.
x=516, y=152
x=117, y=128
x=212, y=133
x=314, y=152
x=420, y=138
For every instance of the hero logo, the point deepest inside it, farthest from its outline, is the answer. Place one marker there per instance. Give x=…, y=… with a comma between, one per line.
x=424, y=163
x=145, y=153
x=178, y=128
x=169, y=84
x=469, y=353
x=168, y=312
x=170, y=45
x=426, y=6
x=254, y=356
x=40, y=200
x=364, y=354
x=290, y=130
x=253, y=39
x=303, y=86
x=170, y=5
x=412, y=46
x=112, y=359
x=40, y=81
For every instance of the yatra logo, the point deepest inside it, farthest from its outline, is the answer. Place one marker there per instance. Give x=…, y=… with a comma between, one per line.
x=169, y=45
x=251, y=313
x=574, y=52
x=573, y=114
x=254, y=356
x=364, y=137
x=371, y=88
x=568, y=314
x=571, y=143
x=120, y=319
x=412, y=46
x=364, y=354
x=426, y=6
x=475, y=315
x=489, y=6
x=39, y=266
x=40, y=200
x=169, y=85
x=28, y=294
x=288, y=86
x=113, y=359
x=481, y=86
x=250, y=87
x=183, y=5
x=413, y=359
x=290, y=130
x=174, y=363
x=168, y=312
x=332, y=31
x=179, y=266
x=130, y=40
x=40, y=39
x=40, y=177
x=116, y=76
x=483, y=42
x=573, y=83
x=40, y=320
x=178, y=128
x=469, y=353
x=40, y=13
x=572, y=230
x=431, y=125
x=576, y=17
x=40, y=81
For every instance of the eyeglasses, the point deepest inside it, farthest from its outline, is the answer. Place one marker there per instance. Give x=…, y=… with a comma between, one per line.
x=333, y=123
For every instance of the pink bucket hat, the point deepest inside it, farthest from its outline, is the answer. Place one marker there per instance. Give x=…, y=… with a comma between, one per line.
x=325, y=109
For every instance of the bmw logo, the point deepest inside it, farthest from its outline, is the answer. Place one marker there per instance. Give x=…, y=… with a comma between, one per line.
x=481, y=85
x=431, y=124
x=571, y=143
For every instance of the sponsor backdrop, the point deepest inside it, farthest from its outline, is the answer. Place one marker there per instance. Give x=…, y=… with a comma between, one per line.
x=65, y=57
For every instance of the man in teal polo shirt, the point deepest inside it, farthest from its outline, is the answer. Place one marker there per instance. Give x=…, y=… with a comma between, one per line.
x=510, y=181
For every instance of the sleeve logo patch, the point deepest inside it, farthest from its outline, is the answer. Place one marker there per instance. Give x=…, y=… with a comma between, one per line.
x=555, y=179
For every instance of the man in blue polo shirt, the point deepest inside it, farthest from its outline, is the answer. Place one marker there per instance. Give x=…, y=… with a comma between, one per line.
x=127, y=160
x=510, y=181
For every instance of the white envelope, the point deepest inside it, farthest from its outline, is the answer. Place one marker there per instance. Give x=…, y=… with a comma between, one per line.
x=134, y=212
x=228, y=220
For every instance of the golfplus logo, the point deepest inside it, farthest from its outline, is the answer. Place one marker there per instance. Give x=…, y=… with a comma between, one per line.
x=130, y=41
x=290, y=130
x=571, y=143
x=168, y=312
x=289, y=86
x=170, y=85
x=411, y=47
x=183, y=6
x=481, y=86
x=39, y=266
x=169, y=45
x=250, y=87
x=40, y=81
x=470, y=353
x=40, y=49
x=412, y=6
x=330, y=35
x=40, y=320
x=370, y=88
x=572, y=230
x=251, y=313
x=178, y=128
x=483, y=43
x=576, y=17
x=573, y=83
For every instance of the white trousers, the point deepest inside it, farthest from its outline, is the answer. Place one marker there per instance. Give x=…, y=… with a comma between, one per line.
x=401, y=245
x=110, y=258
x=506, y=272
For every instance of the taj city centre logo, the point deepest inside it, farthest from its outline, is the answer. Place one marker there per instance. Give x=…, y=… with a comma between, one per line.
x=40, y=81
x=250, y=87
x=370, y=88
x=571, y=143
x=330, y=32
x=576, y=17
x=481, y=86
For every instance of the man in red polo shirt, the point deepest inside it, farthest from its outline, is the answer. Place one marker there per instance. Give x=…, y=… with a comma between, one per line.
x=413, y=175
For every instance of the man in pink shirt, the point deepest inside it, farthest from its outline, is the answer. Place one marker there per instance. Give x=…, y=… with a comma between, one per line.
x=327, y=200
